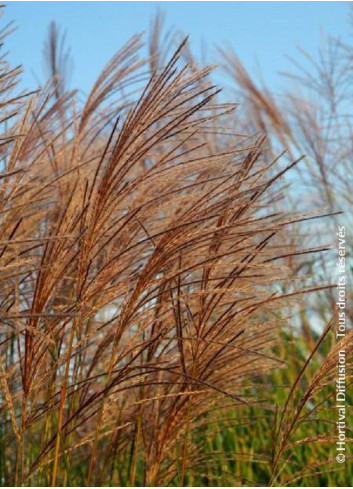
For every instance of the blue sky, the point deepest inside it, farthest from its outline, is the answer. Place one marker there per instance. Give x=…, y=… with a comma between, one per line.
x=262, y=33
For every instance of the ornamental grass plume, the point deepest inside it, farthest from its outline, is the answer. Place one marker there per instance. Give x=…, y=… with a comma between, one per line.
x=143, y=266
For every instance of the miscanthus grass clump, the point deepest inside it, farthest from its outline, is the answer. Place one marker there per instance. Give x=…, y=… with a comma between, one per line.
x=147, y=268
